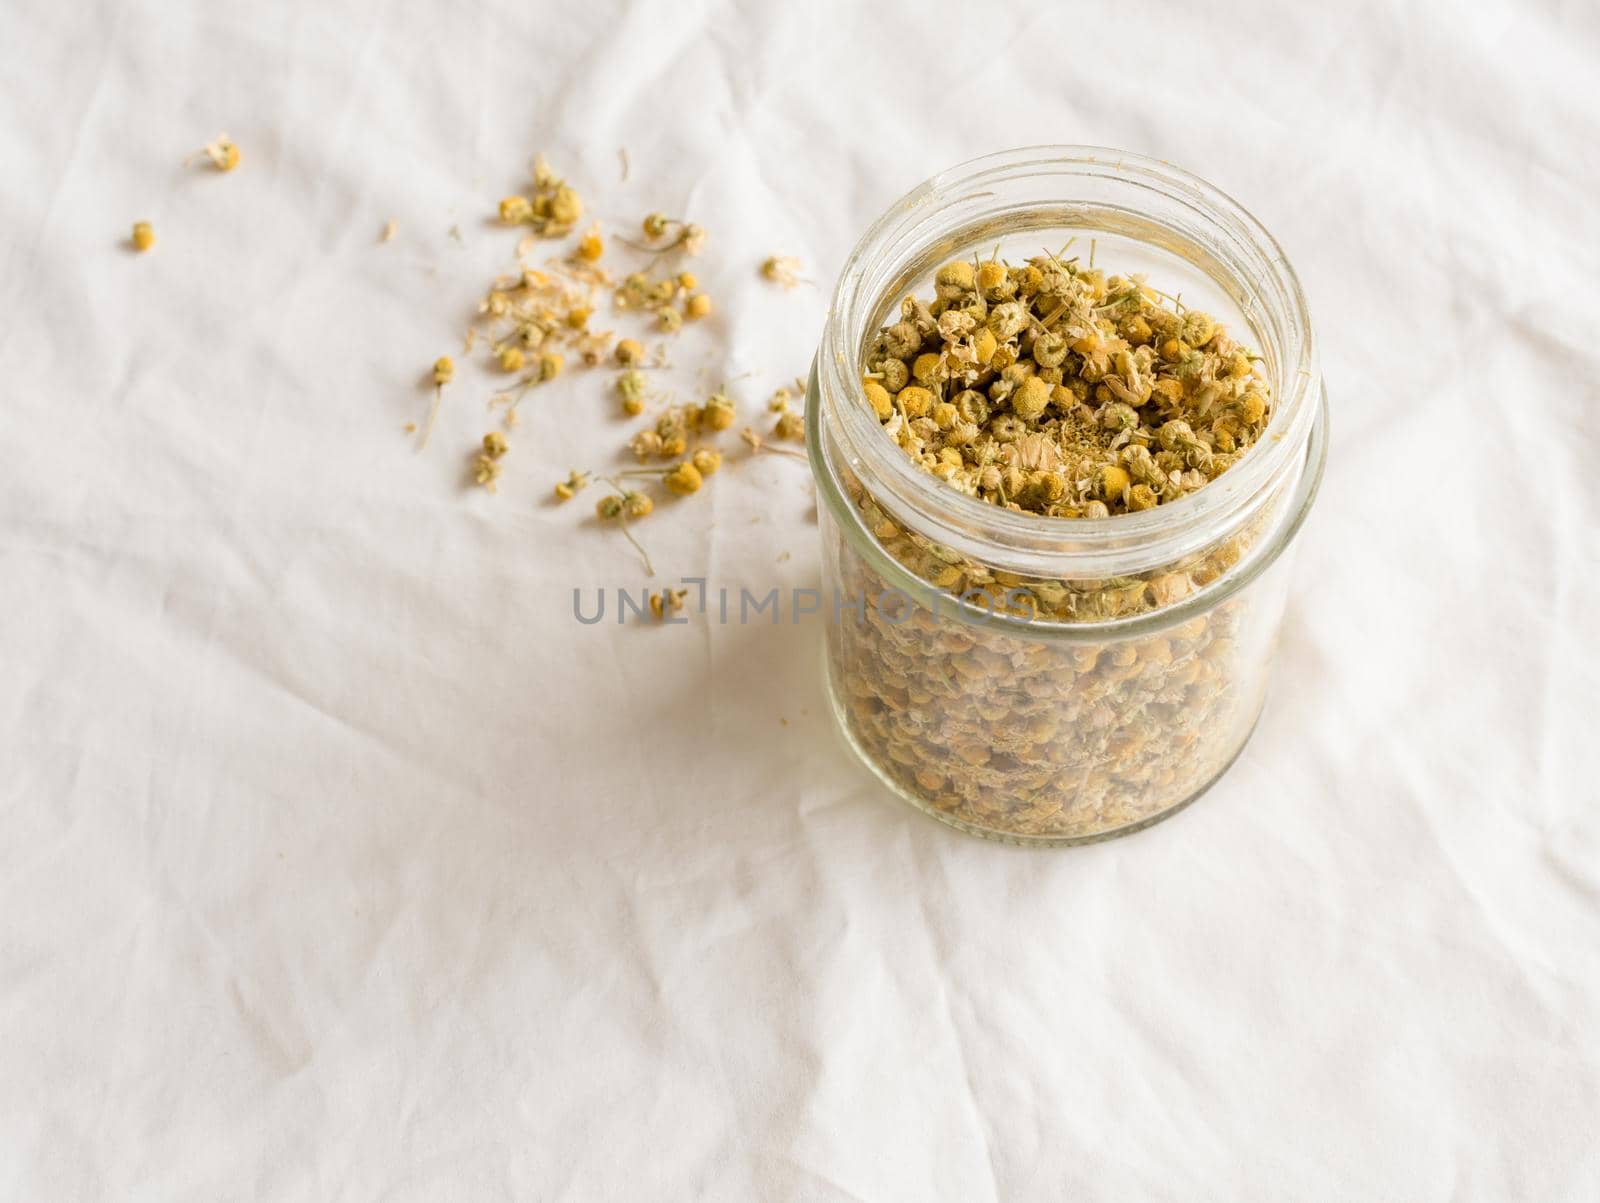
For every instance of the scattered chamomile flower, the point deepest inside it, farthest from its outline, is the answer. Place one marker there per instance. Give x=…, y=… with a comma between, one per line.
x=690, y=238
x=639, y=291
x=486, y=471
x=718, y=413
x=683, y=480
x=781, y=269
x=553, y=209
x=645, y=445
x=616, y=507
x=221, y=152
x=631, y=388
x=591, y=246
x=143, y=237
x=444, y=370
x=567, y=489
x=668, y=601
x=758, y=445
x=790, y=425
x=529, y=318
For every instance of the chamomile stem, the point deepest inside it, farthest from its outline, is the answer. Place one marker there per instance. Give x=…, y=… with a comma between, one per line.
x=622, y=521
x=433, y=416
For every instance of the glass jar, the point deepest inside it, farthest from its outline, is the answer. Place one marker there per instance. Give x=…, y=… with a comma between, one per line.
x=1050, y=680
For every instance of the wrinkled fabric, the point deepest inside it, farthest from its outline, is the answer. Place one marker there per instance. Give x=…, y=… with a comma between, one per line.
x=339, y=861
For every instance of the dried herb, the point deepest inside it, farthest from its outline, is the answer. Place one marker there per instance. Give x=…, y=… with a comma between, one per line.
x=1051, y=388
x=781, y=269
x=221, y=152
x=444, y=370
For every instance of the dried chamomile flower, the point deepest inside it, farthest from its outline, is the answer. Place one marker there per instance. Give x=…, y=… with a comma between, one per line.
x=628, y=352
x=594, y=348
x=718, y=413
x=790, y=425
x=221, y=152
x=674, y=426
x=688, y=281
x=444, y=371
x=781, y=269
x=144, y=236
x=1111, y=482
x=706, y=461
x=758, y=445
x=495, y=445
x=1141, y=497
x=954, y=279
x=878, y=397
x=553, y=208
x=591, y=246
x=631, y=389
x=550, y=365
x=569, y=488
x=668, y=601
x=669, y=319
x=697, y=306
x=511, y=359
x=559, y=208
x=486, y=471
x=639, y=290
x=619, y=507
x=645, y=445
x=1031, y=398
x=683, y=480
x=689, y=238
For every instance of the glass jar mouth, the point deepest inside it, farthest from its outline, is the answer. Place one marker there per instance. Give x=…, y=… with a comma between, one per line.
x=1086, y=187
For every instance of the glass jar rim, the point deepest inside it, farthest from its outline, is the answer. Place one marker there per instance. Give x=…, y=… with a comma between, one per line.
x=1067, y=548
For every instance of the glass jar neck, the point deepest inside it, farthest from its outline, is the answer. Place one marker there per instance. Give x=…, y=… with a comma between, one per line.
x=1084, y=189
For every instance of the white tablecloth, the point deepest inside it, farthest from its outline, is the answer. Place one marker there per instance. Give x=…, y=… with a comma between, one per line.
x=338, y=862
